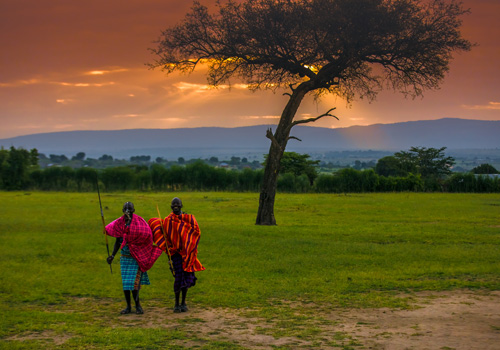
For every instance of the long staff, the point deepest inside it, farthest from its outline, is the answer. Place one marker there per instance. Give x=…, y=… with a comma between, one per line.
x=103, y=224
x=166, y=245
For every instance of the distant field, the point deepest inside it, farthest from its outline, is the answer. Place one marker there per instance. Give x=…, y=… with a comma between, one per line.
x=333, y=251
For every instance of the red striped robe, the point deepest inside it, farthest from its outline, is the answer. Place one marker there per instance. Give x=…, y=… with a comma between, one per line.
x=183, y=234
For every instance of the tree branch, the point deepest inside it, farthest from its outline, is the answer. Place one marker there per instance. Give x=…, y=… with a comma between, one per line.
x=270, y=136
x=310, y=120
x=291, y=88
x=295, y=138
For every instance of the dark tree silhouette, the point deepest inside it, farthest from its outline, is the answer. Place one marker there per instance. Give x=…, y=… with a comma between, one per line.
x=351, y=48
x=389, y=166
x=485, y=169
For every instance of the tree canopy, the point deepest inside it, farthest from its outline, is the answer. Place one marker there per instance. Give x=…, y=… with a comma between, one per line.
x=15, y=165
x=345, y=47
x=333, y=44
x=426, y=162
x=485, y=169
x=388, y=166
x=299, y=164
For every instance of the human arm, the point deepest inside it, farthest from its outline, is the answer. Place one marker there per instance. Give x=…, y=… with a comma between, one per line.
x=117, y=245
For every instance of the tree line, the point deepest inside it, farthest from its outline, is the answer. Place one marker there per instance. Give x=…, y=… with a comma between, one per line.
x=418, y=169
x=105, y=161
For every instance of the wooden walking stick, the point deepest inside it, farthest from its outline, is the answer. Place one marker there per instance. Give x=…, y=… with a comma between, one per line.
x=103, y=224
x=166, y=245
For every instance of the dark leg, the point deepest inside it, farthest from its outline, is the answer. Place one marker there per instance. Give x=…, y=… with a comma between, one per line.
x=127, y=299
x=183, y=304
x=138, y=308
x=177, y=307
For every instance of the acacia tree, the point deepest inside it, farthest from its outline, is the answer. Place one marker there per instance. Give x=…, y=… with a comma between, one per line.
x=428, y=162
x=351, y=48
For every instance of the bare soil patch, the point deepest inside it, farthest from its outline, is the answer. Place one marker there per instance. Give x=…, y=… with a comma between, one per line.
x=441, y=320
x=460, y=320
x=47, y=336
x=444, y=320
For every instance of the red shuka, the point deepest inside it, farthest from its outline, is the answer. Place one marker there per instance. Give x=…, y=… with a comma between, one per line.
x=183, y=234
x=138, y=237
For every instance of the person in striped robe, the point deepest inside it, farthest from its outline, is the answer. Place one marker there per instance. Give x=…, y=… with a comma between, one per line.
x=182, y=235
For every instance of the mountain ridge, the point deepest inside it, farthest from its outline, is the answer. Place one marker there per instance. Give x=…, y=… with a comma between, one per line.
x=453, y=133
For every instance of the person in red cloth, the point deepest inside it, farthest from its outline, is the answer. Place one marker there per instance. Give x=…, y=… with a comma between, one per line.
x=138, y=254
x=182, y=235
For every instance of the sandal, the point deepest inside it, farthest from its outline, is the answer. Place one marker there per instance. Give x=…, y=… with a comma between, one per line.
x=139, y=310
x=125, y=311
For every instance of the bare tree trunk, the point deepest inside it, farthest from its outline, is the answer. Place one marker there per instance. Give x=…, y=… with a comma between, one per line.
x=265, y=214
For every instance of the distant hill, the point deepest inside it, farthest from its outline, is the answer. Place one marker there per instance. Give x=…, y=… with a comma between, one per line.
x=455, y=134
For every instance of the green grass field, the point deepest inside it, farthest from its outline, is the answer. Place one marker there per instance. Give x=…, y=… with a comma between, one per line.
x=327, y=251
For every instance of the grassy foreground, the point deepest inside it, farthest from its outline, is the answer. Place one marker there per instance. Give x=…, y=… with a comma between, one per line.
x=360, y=250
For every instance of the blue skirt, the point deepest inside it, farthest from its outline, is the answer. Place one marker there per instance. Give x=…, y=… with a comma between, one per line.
x=132, y=276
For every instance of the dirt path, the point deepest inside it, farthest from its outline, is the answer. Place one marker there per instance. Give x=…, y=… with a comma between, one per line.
x=463, y=320
x=460, y=320
x=445, y=320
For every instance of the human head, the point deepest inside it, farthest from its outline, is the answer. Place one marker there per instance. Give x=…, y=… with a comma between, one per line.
x=128, y=208
x=176, y=206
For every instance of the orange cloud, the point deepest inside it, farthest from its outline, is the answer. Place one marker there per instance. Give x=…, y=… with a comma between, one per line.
x=127, y=115
x=85, y=84
x=261, y=117
x=21, y=83
x=102, y=72
x=194, y=87
x=489, y=106
x=64, y=101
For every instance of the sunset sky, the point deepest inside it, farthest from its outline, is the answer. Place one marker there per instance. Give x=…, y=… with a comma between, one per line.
x=80, y=65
